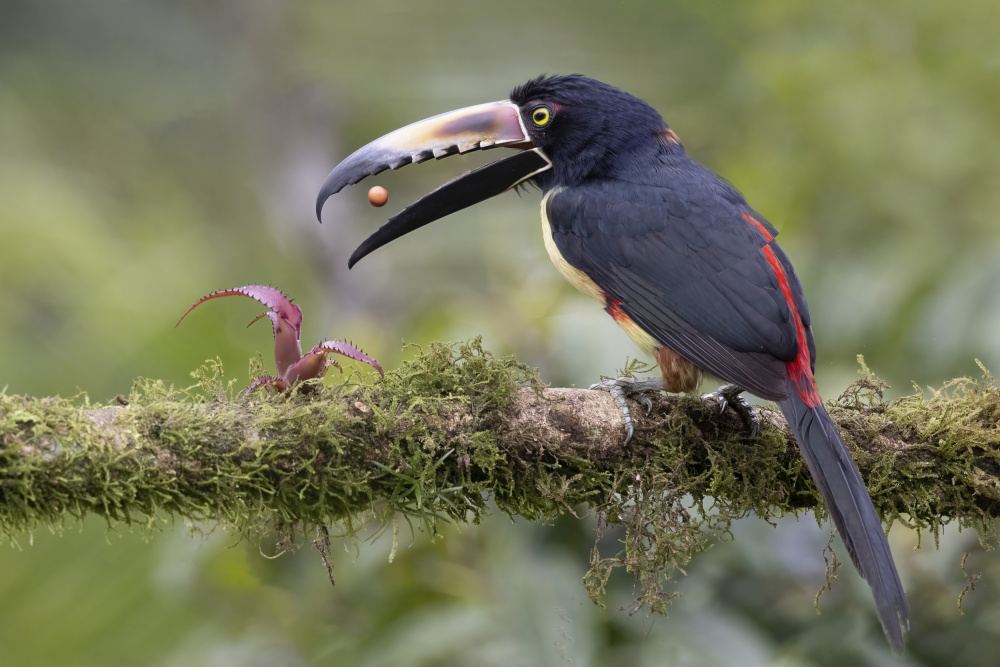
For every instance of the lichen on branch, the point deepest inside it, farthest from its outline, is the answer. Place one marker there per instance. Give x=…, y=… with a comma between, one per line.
x=456, y=427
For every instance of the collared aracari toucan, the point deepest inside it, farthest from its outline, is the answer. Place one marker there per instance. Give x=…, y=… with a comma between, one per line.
x=674, y=254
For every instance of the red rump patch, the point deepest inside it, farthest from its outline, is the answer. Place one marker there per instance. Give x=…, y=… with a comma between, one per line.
x=614, y=308
x=800, y=368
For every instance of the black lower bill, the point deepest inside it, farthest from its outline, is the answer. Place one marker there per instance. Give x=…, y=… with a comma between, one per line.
x=468, y=189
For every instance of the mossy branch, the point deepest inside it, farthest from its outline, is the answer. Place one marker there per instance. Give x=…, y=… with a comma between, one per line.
x=456, y=426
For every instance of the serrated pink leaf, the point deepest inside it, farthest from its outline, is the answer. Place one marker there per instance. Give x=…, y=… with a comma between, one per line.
x=350, y=351
x=269, y=296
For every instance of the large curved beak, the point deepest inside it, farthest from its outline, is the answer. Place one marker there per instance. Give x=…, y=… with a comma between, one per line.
x=469, y=129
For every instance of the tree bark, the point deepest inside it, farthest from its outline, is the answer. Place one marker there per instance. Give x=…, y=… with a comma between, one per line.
x=456, y=427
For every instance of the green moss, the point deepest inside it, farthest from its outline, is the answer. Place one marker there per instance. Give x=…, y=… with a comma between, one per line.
x=950, y=468
x=696, y=477
x=427, y=445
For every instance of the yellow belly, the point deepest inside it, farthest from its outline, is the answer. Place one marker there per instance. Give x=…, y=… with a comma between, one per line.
x=576, y=277
x=582, y=282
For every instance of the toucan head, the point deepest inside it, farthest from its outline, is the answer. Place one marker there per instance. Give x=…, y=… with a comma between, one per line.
x=567, y=128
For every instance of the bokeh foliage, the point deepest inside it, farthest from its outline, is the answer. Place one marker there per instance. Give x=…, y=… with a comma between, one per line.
x=151, y=152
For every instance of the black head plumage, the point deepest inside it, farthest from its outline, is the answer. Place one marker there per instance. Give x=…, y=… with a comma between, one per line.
x=596, y=130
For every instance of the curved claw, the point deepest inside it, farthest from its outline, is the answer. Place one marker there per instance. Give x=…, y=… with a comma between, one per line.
x=349, y=351
x=621, y=389
x=729, y=395
x=617, y=391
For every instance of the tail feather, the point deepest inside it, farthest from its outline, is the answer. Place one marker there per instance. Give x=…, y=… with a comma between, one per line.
x=846, y=497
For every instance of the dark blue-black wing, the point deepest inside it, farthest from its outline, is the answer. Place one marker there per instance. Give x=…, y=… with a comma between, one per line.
x=688, y=267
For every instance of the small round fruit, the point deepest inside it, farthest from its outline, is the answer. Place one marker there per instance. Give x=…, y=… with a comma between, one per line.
x=378, y=196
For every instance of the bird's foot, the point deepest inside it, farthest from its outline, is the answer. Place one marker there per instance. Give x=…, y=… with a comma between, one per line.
x=729, y=396
x=624, y=388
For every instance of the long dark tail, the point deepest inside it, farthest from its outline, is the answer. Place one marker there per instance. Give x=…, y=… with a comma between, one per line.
x=847, y=499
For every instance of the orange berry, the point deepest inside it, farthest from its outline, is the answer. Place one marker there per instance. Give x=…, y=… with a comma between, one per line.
x=378, y=196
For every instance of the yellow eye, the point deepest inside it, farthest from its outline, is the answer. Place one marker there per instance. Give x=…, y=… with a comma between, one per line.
x=541, y=116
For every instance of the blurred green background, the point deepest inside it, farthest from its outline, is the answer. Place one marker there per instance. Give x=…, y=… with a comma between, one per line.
x=152, y=152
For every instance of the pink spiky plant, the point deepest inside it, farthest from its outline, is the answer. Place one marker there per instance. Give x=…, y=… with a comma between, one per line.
x=286, y=320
